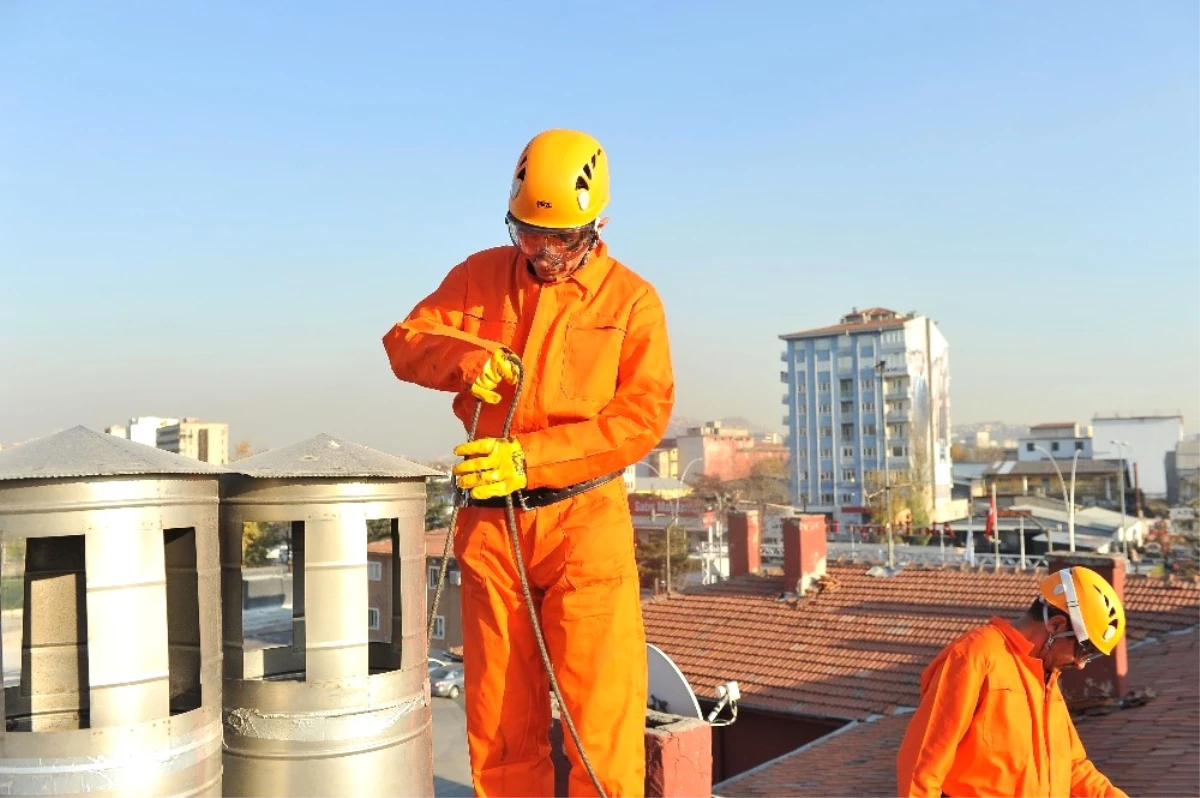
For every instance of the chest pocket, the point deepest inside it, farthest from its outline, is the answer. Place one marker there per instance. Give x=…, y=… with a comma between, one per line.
x=494, y=328
x=591, y=357
x=1007, y=723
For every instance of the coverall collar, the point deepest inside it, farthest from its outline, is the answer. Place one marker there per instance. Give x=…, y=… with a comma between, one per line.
x=1020, y=646
x=593, y=272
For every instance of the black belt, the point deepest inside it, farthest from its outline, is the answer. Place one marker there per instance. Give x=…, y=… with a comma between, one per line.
x=540, y=497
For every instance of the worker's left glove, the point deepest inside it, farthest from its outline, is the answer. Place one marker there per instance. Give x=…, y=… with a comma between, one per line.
x=494, y=467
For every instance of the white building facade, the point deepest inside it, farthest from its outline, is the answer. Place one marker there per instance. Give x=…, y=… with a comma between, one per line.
x=1059, y=441
x=1147, y=441
x=866, y=396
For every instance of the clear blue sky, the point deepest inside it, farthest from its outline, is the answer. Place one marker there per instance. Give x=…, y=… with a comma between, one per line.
x=217, y=209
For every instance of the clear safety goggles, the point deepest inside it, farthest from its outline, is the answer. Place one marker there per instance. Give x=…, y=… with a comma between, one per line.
x=1085, y=650
x=535, y=241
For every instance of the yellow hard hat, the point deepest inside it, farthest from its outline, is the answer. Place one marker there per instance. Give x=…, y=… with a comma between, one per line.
x=560, y=181
x=1097, y=616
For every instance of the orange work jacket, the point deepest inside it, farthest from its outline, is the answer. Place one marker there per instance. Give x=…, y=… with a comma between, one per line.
x=989, y=725
x=598, y=388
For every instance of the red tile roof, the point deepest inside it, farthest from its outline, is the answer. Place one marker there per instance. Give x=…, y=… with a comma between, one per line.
x=435, y=543
x=1149, y=750
x=858, y=645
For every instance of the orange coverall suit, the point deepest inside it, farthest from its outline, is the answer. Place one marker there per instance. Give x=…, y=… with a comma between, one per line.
x=597, y=396
x=988, y=724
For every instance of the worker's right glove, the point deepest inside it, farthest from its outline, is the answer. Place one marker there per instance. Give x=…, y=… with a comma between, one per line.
x=500, y=367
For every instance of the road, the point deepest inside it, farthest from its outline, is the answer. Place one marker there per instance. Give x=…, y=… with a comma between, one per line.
x=451, y=766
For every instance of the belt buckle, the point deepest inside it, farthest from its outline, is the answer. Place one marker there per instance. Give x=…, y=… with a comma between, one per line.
x=522, y=500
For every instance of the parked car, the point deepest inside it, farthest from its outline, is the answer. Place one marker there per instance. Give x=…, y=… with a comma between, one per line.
x=438, y=664
x=447, y=682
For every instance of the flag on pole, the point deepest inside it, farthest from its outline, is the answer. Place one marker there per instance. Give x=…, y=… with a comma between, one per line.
x=989, y=531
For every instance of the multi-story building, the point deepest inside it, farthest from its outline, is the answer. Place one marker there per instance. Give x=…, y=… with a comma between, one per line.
x=868, y=402
x=144, y=429
x=724, y=453
x=1145, y=441
x=202, y=440
x=1186, y=486
x=1059, y=440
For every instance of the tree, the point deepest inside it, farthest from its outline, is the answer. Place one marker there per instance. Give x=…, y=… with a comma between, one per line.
x=439, y=501
x=652, y=557
x=260, y=537
x=241, y=450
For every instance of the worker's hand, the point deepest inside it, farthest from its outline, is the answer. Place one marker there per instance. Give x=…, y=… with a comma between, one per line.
x=502, y=366
x=494, y=467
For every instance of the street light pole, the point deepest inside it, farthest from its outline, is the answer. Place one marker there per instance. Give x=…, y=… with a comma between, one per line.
x=1121, y=482
x=1067, y=500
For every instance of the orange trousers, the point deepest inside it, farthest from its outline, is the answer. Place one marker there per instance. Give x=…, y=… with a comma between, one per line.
x=580, y=561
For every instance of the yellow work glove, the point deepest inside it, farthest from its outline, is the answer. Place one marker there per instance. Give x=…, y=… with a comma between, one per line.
x=499, y=367
x=495, y=467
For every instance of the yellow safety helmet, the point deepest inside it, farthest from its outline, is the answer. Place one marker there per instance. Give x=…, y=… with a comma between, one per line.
x=1097, y=616
x=560, y=181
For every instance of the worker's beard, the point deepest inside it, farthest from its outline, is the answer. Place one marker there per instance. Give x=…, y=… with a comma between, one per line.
x=549, y=268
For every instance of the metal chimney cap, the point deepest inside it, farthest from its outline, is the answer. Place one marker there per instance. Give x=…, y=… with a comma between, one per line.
x=326, y=456
x=82, y=452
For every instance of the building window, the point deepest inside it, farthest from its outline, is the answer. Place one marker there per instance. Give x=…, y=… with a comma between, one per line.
x=439, y=627
x=824, y=409
x=866, y=385
x=868, y=407
x=849, y=475
x=373, y=618
x=847, y=430
x=823, y=386
x=826, y=453
x=846, y=386
x=433, y=576
x=847, y=408
x=374, y=570
x=1079, y=446
x=847, y=451
x=826, y=498
x=868, y=429
x=847, y=498
x=827, y=476
x=899, y=451
x=826, y=432
x=1029, y=447
x=869, y=451
x=1054, y=446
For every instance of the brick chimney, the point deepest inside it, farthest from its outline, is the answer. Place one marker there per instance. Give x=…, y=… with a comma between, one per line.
x=745, y=543
x=804, y=551
x=1104, y=678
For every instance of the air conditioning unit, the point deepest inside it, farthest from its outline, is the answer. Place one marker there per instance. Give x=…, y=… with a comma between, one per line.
x=455, y=577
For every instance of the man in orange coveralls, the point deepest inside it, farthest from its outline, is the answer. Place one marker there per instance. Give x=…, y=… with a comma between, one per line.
x=992, y=719
x=598, y=392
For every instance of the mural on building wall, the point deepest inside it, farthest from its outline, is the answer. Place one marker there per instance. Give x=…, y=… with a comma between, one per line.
x=939, y=397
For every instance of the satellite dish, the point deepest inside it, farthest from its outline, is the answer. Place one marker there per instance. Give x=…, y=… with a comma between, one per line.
x=668, y=688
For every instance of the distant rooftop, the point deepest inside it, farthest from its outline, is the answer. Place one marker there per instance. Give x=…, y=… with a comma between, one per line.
x=858, y=321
